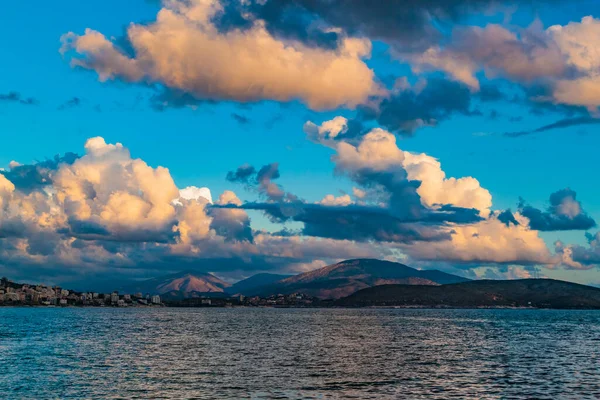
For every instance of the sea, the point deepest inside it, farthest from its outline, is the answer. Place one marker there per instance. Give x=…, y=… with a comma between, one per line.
x=277, y=353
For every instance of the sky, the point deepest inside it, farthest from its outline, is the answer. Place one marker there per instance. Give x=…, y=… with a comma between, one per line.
x=144, y=137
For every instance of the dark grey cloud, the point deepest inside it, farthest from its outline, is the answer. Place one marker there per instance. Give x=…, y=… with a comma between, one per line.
x=240, y=118
x=166, y=98
x=365, y=223
x=535, y=98
x=32, y=176
x=404, y=219
x=230, y=225
x=15, y=97
x=268, y=173
x=71, y=103
x=92, y=231
x=408, y=110
x=243, y=174
x=261, y=181
x=287, y=19
x=586, y=257
x=564, y=213
x=490, y=93
x=561, y=124
x=410, y=25
x=507, y=218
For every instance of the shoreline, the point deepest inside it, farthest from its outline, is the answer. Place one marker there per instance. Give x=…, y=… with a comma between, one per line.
x=315, y=307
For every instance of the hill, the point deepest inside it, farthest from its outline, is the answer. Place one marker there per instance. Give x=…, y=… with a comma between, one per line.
x=344, y=278
x=252, y=285
x=540, y=293
x=181, y=285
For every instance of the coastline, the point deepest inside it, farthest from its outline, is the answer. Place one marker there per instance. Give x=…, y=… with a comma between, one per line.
x=415, y=307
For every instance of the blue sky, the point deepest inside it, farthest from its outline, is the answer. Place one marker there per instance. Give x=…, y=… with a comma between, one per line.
x=199, y=144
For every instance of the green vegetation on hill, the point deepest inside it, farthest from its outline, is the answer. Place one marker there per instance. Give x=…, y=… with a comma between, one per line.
x=540, y=293
x=344, y=278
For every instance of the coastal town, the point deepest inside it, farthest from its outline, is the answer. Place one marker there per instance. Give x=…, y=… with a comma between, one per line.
x=13, y=294
x=20, y=294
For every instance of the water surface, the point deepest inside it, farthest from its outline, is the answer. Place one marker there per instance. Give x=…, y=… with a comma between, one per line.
x=169, y=353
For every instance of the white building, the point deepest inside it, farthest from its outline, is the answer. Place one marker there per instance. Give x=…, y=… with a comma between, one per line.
x=156, y=299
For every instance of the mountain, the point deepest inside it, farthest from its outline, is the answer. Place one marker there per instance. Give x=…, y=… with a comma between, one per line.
x=252, y=285
x=181, y=285
x=344, y=278
x=541, y=293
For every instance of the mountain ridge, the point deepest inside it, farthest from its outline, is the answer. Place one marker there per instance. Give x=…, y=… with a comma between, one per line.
x=346, y=277
x=252, y=283
x=538, y=293
x=182, y=285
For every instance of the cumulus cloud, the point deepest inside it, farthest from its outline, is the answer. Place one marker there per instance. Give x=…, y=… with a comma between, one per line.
x=574, y=256
x=103, y=195
x=33, y=176
x=262, y=181
x=407, y=108
x=399, y=200
x=109, y=188
x=233, y=224
x=487, y=242
x=109, y=213
x=377, y=157
x=184, y=51
x=402, y=198
x=564, y=213
x=511, y=272
x=563, y=58
x=412, y=185
x=195, y=193
x=410, y=25
x=331, y=200
x=498, y=51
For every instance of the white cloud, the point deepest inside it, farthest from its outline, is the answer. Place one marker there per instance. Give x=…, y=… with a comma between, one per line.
x=331, y=200
x=488, y=241
x=327, y=130
x=378, y=151
x=109, y=188
x=194, y=193
x=564, y=56
x=183, y=50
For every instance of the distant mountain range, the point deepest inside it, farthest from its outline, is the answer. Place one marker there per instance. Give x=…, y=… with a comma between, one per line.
x=344, y=278
x=539, y=293
x=181, y=285
x=369, y=282
x=330, y=282
x=255, y=282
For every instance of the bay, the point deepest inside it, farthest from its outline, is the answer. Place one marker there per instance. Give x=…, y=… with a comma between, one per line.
x=268, y=353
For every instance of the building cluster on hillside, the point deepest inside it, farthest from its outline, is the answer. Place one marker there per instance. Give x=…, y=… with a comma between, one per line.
x=289, y=300
x=279, y=300
x=12, y=293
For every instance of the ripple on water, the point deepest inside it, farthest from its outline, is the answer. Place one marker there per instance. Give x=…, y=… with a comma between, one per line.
x=298, y=353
